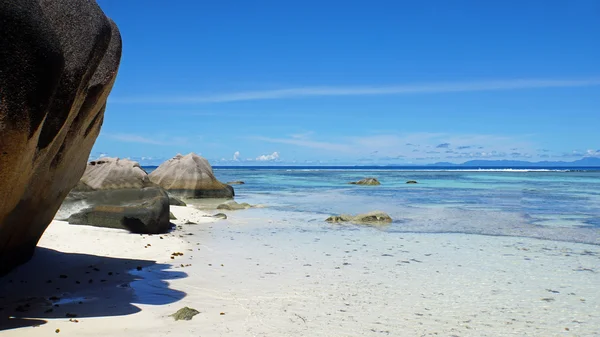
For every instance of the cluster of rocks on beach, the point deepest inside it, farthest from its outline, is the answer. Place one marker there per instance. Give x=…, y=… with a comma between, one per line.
x=118, y=193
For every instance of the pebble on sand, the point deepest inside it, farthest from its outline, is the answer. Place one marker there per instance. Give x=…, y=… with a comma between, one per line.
x=185, y=313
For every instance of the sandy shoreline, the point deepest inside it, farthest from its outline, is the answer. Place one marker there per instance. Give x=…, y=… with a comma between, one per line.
x=255, y=275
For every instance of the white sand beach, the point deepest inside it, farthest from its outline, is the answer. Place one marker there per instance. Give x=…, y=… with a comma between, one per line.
x=259, y=274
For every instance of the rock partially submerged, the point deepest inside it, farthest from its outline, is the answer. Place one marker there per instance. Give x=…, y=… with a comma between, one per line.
x=220, y=216
x=185, y=314
x=371, y=218
x=237, y=182
x=190, y=176
x=366, y=181
x=411, y=182
x=339, y=218
x=55, y=78
x=232, y=205
x=119, y=194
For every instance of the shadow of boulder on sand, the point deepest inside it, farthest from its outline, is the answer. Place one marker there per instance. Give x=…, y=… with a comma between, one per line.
x=70, y=285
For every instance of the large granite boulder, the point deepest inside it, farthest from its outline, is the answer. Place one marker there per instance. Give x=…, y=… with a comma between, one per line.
x=114, y=173
x=58, y=63
x=117, y=193
x=190, y=176
x=144, y=211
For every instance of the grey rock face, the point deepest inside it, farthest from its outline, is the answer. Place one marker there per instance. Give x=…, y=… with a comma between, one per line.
x=176, y=202
x=119, y=194
x=144, y=211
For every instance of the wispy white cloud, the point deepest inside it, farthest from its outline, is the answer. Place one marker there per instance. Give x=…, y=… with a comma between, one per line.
x=268, y=157
x=304, y=135
x=236, y=156
x=97, y=155
x=416, y=145
x=307, y=143
x=132, y=138
x=316, y=91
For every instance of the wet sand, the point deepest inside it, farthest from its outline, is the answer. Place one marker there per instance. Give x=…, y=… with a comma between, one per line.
x=266, y=273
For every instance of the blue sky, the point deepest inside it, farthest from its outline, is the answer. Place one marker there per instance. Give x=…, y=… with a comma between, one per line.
x=354, y=82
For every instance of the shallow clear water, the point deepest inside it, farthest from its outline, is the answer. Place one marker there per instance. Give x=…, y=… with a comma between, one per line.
x=557, y=205
x=550, y=203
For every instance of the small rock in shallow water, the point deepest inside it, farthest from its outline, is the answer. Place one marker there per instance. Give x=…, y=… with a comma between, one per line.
x=411, y=182
x=232, y=205
x=220, y=216
x=339, y=218
x=375, y=217
x=366, y=181
x=185, y=313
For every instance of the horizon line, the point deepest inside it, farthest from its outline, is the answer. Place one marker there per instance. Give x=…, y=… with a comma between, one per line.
x=446, y=164
x=328, y=91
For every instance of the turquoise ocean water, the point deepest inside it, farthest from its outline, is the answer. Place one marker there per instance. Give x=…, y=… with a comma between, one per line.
x=556, y=204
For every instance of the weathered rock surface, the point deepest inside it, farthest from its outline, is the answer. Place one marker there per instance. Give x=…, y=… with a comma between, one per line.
x=143, y=210
x=190, y=176
x=117, y=193
x=185, y=314
x=366, y=181
x=114, y=173
x=100, y=177
x=58, y=63
x=176, y=202
x=232, y=205
x=371, y=218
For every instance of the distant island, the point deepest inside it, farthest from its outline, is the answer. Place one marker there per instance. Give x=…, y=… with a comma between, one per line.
x=584, y=162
